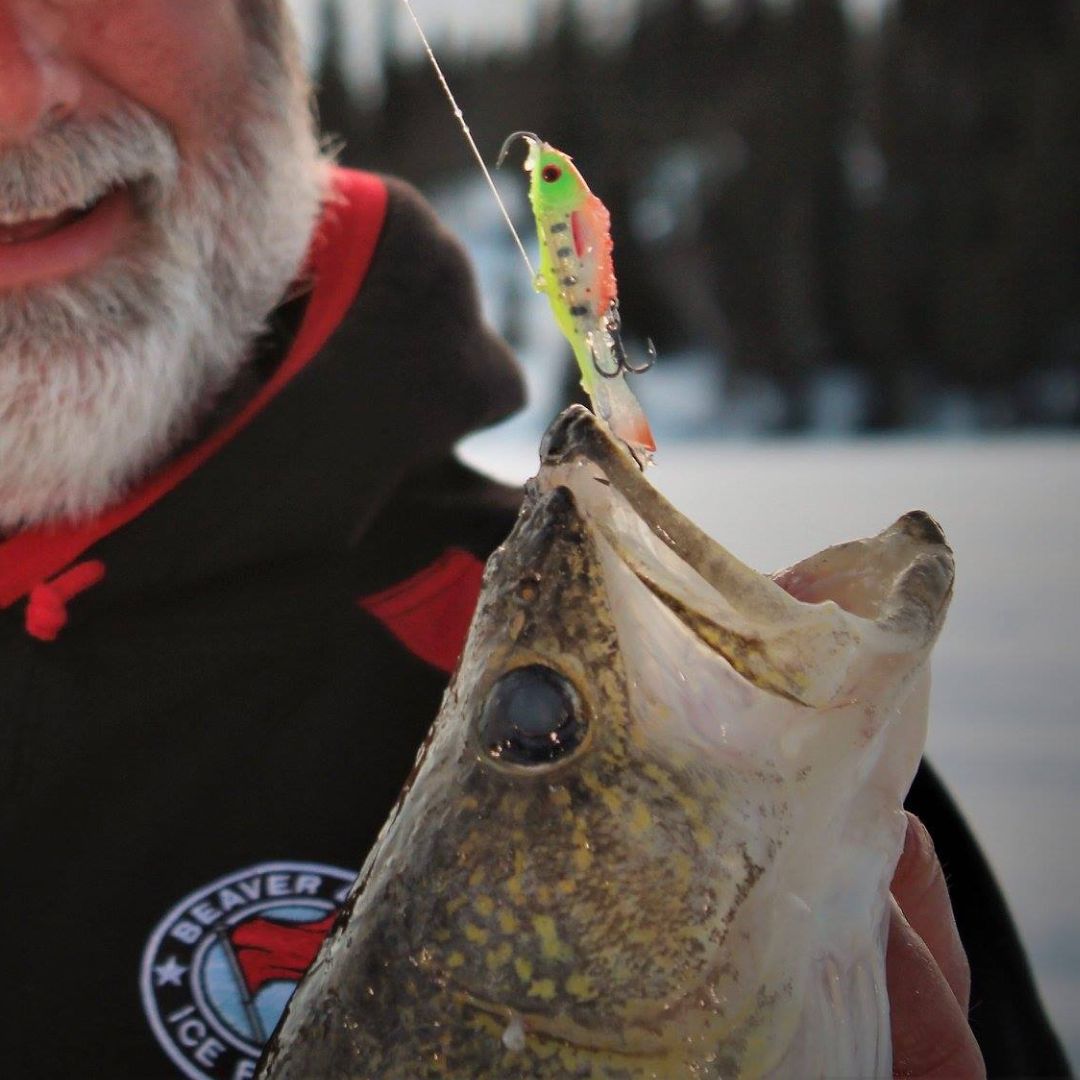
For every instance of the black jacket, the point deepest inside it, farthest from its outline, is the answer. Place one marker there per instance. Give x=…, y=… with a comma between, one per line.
x=192, y=770
x=236, y=701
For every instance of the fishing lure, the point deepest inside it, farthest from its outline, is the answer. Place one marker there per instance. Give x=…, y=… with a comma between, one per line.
x=576, y=272
x=578, y=276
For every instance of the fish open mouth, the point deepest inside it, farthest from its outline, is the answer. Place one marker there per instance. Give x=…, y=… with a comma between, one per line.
x=796, y=633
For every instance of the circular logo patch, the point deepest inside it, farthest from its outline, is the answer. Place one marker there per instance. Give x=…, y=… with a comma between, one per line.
x=220, y=968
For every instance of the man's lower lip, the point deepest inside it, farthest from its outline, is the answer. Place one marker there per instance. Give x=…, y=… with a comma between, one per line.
x=71, y=249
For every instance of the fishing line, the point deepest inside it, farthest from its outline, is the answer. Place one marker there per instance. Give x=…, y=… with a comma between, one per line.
x=468, y=135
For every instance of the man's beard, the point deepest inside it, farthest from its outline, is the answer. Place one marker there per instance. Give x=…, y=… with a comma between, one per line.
x=102, y=377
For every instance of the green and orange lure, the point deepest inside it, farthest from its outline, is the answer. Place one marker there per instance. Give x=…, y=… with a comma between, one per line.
x=578, y=276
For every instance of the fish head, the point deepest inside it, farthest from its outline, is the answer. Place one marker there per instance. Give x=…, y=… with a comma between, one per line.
x=556, y=187
x=661, y=801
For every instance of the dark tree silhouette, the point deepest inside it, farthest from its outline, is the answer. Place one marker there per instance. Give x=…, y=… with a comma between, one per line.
x=789, y=195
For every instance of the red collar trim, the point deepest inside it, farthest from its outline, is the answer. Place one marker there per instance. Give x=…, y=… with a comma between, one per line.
x=430, y=612
x=344, y=244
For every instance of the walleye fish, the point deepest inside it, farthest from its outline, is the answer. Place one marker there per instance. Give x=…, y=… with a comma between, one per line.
x=652, y=830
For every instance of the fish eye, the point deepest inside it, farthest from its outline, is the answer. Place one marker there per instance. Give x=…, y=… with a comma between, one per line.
x=551, y=174
x=532, y=716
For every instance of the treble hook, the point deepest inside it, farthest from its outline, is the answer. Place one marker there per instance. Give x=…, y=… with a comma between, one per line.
x=612, y=328
x=615, y=344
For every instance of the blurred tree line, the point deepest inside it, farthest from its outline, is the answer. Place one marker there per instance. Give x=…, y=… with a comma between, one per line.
x=794, y=196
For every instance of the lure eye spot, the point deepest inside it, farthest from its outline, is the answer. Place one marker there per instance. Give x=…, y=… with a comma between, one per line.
x=551, y=174
x=532, y=716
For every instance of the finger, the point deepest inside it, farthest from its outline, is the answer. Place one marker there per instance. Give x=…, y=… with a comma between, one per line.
x=931, y=1037
x=919, y=887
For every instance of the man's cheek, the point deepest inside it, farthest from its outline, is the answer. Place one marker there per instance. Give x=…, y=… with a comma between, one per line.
x=190, y=71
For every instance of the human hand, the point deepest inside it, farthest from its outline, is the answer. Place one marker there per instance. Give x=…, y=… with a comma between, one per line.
x=927, y=973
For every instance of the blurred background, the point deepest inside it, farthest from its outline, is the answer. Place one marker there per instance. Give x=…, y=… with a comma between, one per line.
x=852, y=228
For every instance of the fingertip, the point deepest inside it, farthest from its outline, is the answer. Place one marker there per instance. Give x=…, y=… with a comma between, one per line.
x=918, y=866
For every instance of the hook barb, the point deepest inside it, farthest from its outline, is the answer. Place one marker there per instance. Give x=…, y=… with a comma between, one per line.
x=640, y=369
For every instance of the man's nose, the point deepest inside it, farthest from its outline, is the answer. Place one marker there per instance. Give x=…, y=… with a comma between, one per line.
x=39, y=84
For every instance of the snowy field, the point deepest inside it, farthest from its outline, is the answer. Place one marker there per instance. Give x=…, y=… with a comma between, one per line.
x=1006, y=705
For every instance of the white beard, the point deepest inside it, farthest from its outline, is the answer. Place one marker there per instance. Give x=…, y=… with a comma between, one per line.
x=102, y=377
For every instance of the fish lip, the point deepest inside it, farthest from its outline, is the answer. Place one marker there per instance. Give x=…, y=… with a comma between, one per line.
x=574, y=432
x=919, y=525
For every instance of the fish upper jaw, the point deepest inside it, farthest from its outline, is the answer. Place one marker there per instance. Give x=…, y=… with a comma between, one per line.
x=809, y=633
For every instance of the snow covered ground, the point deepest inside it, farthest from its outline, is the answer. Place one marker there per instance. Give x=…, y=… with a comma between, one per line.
x=1005, y=719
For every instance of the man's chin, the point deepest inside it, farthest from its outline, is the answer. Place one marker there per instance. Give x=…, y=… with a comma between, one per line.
x=110, y=371
x=91, y=422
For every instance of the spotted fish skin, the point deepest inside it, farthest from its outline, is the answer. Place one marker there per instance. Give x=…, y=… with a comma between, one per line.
x=697, y=885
